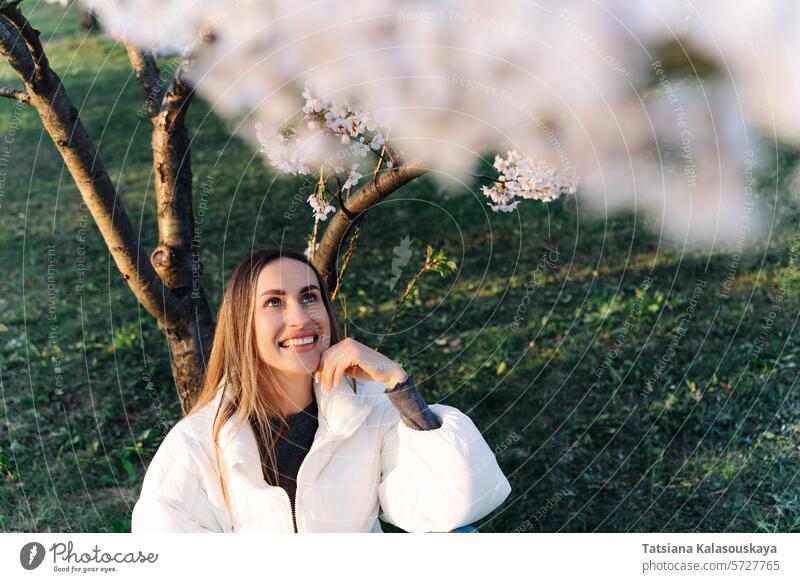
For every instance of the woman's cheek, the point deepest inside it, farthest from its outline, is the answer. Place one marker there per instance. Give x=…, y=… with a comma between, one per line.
x=263, y=334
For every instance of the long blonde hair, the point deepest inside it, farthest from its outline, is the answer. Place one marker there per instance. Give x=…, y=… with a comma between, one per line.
x=249, y=393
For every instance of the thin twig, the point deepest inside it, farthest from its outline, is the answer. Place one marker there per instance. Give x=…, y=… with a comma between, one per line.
x=380, y=162
x=344, y=208
x=344, y=308
x=15, y=94
x=346, y=261
x=401, y=303
x=492, y=178
x=314, y=239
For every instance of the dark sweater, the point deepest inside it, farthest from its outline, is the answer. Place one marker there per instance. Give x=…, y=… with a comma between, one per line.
x=292, y=446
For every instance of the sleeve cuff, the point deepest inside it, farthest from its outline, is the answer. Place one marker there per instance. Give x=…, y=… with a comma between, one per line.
x=413, y=410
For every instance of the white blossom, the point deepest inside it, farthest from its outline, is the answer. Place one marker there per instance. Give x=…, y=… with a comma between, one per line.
x=377, y=142
x=353, y=176
x=301, y=149
x=525, y=178
x=320, y=206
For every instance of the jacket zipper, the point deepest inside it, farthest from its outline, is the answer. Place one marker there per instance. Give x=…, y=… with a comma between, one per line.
x=293, y=508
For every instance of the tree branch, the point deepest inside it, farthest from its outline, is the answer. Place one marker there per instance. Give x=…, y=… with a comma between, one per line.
x=170, y=141
x=42, y=71
x=14, y=51
x=172, y=258
x=378, y=189
x=149, y=78
x=10, y=93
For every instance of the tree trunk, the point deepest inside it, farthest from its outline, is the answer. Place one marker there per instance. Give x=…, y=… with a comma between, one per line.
x=190, y=345
x=175, y=259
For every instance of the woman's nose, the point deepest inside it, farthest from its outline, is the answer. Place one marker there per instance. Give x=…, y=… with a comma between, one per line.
x=297, y=315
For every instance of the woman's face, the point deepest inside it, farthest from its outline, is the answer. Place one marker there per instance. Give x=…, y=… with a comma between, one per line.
x=288, y=304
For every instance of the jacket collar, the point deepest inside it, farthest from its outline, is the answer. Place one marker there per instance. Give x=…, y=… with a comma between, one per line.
x=341, y=412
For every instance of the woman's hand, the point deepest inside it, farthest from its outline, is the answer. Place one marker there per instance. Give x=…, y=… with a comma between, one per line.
x=357, y=360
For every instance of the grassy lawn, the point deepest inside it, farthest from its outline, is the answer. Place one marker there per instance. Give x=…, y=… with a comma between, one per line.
x=624, y=386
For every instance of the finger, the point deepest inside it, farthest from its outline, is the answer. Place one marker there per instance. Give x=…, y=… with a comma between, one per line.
x=315, y=372
x=339, y=361
x=323, y=362
x=328, y=370
x=318, y=372
x=341, y=367
x=321, y=367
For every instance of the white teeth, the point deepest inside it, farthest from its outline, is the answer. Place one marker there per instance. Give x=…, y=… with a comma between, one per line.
x=298, y=341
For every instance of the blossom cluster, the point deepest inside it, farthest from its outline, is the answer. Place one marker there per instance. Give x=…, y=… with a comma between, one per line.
x=525, y=178
x=306, y=148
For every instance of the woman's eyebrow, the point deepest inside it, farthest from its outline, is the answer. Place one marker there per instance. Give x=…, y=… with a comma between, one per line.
x=282, y=292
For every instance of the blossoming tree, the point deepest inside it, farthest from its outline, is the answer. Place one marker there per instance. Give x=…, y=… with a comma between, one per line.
x=654, y=104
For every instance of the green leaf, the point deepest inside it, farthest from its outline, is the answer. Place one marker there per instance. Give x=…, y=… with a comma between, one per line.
x=127, y=465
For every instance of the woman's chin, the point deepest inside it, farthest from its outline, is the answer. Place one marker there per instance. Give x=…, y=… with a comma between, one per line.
x=304, y=363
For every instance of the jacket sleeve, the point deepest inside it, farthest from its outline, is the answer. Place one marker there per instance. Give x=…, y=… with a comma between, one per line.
x=437, y=480
x=173, y=498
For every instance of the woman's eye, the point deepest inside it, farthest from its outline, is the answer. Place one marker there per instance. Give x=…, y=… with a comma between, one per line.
x=276, y=302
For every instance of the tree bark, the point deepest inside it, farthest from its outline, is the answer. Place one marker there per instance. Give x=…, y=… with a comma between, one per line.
x=11, y=93
x=149, y=78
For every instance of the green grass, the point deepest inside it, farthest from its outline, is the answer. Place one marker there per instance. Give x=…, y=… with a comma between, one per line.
x=712, y=447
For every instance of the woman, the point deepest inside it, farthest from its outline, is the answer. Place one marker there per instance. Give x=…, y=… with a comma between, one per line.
x=296, y=429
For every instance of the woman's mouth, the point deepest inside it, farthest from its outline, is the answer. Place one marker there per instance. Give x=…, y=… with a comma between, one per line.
x=303, y=344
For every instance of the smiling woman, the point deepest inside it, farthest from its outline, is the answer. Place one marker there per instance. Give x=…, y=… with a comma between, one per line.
x=299, y=430
x=292, y=327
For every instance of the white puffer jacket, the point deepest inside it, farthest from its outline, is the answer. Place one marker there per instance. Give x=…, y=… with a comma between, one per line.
x=363, y=461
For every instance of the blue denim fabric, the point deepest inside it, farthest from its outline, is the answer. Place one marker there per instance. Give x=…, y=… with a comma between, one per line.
x=465, y=529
